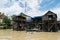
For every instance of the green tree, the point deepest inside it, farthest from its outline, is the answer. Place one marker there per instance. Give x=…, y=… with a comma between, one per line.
x=7, y=22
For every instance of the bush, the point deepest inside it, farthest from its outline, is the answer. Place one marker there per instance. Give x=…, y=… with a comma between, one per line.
x=6, y=27
x=7, y=22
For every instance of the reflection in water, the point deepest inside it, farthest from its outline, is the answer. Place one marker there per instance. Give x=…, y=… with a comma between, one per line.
x=22, y=35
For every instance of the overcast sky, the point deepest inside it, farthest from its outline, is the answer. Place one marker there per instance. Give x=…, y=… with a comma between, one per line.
x=34, y=7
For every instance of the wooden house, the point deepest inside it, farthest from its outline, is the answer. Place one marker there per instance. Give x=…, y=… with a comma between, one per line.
x=21, y=21
x=49, y=21
x=49, y=16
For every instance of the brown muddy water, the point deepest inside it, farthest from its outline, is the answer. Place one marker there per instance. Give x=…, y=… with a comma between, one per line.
x=23, y=35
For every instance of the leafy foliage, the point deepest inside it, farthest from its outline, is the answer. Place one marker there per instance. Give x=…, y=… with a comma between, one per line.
x=7, y=22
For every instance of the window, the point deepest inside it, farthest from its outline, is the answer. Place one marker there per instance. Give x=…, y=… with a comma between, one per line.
x=50, y=17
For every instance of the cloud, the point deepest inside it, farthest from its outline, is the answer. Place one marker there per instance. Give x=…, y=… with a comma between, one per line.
x=6, y=3
x=15, y=9
x=34, y=7
x=48, y=4
x=33, y=4
x=17, y=6
x=56, y=10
